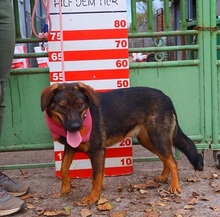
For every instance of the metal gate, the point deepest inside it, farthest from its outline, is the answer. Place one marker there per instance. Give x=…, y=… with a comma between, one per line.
x=185, y=66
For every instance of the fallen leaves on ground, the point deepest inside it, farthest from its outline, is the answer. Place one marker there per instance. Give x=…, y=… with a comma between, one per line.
x=56, y=195
x=215, y=185
x=192, y=179
x=188, y=207
x=192, y=201
x=151, y=214
x=55, y=213
x=122, y=213
x=27, y=196
x=215, y=208
x=79, y=203
x=85, y=213
x=104, y=204
x=30, y=206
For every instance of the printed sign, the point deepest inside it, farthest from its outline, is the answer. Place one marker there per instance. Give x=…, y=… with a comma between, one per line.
x=89, y=43
x=20, y=63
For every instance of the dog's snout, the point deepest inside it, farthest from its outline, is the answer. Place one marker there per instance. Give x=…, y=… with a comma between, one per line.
x=75, y=126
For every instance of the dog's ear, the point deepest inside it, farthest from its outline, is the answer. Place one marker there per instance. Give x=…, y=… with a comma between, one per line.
x=90, y=92
x=47, y=94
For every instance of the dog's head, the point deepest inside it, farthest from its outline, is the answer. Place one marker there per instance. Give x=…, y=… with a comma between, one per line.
x=67, y=103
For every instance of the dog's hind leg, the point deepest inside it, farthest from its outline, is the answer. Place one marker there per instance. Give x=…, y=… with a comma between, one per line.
x=164, y=151
x=66, y=162
x=170, y=166
x=98, y=162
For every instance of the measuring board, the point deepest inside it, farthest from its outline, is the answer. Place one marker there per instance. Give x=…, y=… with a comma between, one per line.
x=89, y=43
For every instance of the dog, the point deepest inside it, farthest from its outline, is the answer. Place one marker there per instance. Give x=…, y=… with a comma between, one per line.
x=141, y=112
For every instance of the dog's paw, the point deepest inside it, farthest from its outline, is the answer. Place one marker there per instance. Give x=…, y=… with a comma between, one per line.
x=174, y=189
x=89, y=199
x=160, y=179
x=65, y=189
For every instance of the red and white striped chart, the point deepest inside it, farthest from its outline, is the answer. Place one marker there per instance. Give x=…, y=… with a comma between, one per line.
x=89, y=43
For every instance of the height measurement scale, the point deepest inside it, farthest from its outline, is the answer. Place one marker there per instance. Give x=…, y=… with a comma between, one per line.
x=88, y=43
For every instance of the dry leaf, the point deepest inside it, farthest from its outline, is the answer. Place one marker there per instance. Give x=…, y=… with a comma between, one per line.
x=215, y=175
x=67, y=209
x=56, y=195
x=30, y=206
x=105, y=207
x=80, y=203
x=161, y=204
x=152, y=184
x=193, y=179
x=39, y=210
x=179, y=213
x=27, y=196
x=188, y=207
x=217, y=188
x=205, y=198
x=140, y=186
x=164, y=193
x=178, y=200
x=166, y=199
x=119, y=214
x=102, y=200
x=192, y=201
x=118, y=199
x=210, y=176
x=195, y=194
x=215, y=185
x=151, y=214
x=143, y=191
x=215, y=208
x=55, y=213
x=85, y=213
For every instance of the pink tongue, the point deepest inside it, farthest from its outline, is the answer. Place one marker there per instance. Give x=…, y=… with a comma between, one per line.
x=74, y=139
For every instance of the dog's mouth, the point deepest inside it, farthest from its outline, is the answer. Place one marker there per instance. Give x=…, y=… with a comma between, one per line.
x=73, y=138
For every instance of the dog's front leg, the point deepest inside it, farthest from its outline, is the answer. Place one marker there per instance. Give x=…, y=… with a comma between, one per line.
x=98, y=162
x=66, y=162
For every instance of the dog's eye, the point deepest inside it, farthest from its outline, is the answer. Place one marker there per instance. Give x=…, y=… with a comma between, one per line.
x=81, y=105
x=62, y=107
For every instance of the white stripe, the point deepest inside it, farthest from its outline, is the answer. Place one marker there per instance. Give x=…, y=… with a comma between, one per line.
x=59, y=147
x=84, y=45
x=87, y=21
x=86, y=65
x=101, y=84
x=88, y=6
x=85, y=164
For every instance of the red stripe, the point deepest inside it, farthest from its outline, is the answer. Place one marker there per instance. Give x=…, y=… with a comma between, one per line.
x=94, y=34
x=87, y=173
x=97, y=74
x=110, y=153
x=90, y=75
x=89, y=55
x=95, y=54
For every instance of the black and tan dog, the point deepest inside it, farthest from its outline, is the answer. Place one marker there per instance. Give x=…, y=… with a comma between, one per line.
x=143, y=112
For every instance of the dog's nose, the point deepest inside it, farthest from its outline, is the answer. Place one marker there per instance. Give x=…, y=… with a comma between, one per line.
x=75, y=126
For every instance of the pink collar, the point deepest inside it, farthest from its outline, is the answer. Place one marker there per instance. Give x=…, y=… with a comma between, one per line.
x=73, y=138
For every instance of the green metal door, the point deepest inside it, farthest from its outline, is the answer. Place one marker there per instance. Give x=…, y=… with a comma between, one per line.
x=190, y=79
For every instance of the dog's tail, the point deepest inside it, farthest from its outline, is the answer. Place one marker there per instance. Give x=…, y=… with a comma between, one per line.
x=186, y=145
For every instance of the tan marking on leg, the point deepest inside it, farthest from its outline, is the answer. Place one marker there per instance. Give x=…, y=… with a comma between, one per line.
x=66, y=162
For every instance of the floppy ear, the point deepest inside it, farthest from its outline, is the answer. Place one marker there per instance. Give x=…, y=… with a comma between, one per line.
x=47, y=94
x=90, y=92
